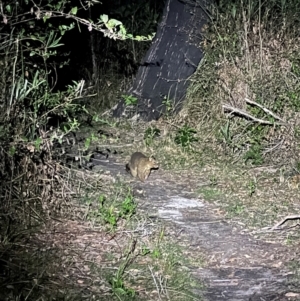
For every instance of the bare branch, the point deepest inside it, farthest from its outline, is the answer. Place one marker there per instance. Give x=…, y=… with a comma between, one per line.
x=287, y=218
x=264, y=109
x=243, y=113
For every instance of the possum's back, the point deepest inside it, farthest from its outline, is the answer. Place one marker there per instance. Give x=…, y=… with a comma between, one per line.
x=136, y=158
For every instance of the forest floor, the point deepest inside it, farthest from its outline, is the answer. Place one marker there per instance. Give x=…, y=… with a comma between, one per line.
x=203, y=229
x=237, y=263
x=222, y=216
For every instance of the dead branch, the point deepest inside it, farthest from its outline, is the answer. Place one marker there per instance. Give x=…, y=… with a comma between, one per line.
x=243, y=113
x=287, y=218
x=264, y=109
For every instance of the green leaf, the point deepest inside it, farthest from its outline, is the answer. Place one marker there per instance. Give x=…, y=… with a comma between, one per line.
x=120, y=291
x=12, y=151
x=123, y=30
x=38, y=142
x=74, y=10
x=104, y=18
x=8, y=8
x=114, y=22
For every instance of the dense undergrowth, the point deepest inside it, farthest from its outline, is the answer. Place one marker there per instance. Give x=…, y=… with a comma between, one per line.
x=244, y=98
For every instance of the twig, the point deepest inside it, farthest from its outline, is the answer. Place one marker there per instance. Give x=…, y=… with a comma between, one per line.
x=264, y=109
x=150, y=268
x=115, y=145
x=243, y=113
x=287, y=218
x=274, y=147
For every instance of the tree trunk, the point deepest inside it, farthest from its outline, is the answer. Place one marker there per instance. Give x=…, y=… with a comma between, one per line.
x=174, y=55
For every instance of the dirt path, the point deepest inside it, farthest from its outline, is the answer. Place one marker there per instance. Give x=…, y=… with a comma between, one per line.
x=238, y=267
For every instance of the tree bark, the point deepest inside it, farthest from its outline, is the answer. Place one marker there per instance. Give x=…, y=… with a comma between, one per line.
x=163, y=76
